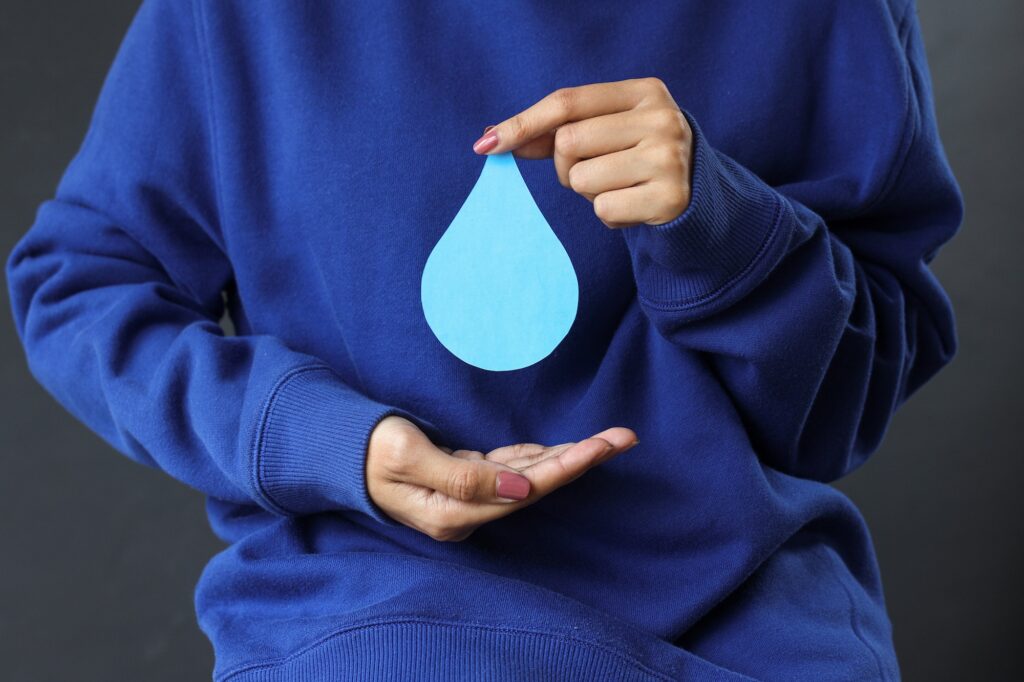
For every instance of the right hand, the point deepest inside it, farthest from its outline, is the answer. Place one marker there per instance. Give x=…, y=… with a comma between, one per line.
x=448, y=494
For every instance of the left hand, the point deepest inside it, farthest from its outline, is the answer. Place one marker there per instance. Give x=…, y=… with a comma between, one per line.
x=623, y=145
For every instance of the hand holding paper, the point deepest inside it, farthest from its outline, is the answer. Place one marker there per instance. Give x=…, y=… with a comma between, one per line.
x=624, y=145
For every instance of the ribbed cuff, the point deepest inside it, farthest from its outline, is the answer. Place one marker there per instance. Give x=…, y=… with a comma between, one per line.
x=728, y=235
x=310, y=448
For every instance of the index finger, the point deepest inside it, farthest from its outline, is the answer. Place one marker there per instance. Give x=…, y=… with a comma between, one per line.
x=563, y=106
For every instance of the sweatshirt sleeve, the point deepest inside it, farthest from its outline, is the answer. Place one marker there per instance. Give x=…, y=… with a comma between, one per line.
x=116, y=292
x=817, y=329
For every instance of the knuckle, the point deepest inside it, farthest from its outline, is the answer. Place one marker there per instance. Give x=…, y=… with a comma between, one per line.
x=565, y=99
x=655, y=84
x=667, y=156
x=669, y=120
x=577, y=178
x=465, y=483
x=602, y=207
x=517, y=128
x=565, y=140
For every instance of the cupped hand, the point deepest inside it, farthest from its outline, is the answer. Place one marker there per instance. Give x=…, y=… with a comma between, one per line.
x=447, y=494
x=624, y=145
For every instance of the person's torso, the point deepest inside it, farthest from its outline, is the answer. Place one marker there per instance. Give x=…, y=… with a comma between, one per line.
x=344, y=135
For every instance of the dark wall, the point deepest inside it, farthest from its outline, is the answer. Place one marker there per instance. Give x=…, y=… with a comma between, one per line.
x=100, y=555
x=943, y=496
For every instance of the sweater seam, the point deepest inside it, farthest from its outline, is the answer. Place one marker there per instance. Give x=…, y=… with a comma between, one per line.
x=259, y=434
x=696, y=301
x=910, y=126
x=854, y=621
x=464, y=625
x=901, y=25
x=201, y=29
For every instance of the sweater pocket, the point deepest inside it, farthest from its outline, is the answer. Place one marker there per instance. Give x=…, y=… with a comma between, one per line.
x=377, y=615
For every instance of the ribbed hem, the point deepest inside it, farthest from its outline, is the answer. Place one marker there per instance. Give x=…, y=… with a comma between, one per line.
x=728, y=234
x=310, y=449
x=451, y=652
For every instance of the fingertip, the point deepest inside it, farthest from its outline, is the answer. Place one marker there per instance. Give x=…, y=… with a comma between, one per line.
x=620, y=437
x=488, y=142
x=512, y=486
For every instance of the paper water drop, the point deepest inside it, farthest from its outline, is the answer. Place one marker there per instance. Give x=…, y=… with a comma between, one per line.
x=499, y=290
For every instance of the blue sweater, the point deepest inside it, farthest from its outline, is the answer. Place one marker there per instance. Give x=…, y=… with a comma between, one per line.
x=305, y=160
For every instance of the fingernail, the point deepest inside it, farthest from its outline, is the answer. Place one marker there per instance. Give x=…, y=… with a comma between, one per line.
x=633, y=444
x=513, y=486
x=486, y=143
x=487, y=128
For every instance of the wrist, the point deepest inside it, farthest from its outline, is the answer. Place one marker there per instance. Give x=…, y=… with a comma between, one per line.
x=311, y=445
x=728, y=234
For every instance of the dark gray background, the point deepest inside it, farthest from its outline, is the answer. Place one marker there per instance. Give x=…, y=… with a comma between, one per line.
x=100, y=555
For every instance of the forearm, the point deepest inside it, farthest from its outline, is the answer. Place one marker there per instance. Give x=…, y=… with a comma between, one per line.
x=817, y=331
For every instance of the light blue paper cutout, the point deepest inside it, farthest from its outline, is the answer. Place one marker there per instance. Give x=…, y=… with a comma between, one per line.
x=499, y=290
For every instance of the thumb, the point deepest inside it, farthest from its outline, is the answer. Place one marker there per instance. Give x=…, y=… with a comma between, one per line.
x=542, y=147
x=468, y=480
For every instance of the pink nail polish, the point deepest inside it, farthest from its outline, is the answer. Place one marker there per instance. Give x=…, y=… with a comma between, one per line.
x=513, y=486
x=486, y=143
